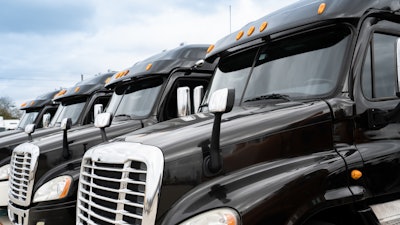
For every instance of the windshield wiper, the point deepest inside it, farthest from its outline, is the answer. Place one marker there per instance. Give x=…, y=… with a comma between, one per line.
x=270, y=96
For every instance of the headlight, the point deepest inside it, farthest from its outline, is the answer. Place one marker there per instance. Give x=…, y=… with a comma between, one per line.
x=223, y=216
x=56, y=188
x=4, y=172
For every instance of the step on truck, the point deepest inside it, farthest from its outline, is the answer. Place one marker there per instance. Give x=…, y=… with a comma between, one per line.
x=76, y=102
x=300, y=125
x=38, y=111
x=161, y=87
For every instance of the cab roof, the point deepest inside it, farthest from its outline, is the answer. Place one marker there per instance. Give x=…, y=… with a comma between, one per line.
x=183, y=57
x=40, y=101
x=297, y=14
x=84, y=88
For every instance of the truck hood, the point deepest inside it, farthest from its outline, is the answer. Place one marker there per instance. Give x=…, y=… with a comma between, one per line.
x=249, y=136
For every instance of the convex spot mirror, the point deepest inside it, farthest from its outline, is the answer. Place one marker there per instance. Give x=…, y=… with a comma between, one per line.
x=221, y=101
x=198, y=94
x=103, y=120
x=183, y=101
x=66, y=124
x=46, y=120
x=98, y=108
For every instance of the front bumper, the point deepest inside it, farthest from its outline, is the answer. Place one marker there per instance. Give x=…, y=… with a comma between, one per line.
x=60, y=214
x=3, y=193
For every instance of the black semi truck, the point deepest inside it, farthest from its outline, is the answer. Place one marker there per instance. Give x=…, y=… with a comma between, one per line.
x=76, y=102
x=161, y=87
x=38, y=111
x=299, y=126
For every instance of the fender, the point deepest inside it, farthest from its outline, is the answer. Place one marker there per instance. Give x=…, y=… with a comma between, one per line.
x=257, y=192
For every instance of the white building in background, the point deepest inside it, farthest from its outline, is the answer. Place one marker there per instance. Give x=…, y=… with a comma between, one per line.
x=8, y=124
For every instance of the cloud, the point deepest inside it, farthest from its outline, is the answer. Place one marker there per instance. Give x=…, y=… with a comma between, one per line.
x=44, y=17
x=48, y=44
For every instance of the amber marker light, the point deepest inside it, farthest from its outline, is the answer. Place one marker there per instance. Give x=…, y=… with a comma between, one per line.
x=148, y=67
x=32, y=102
x=263, y=26
x=230, y=219
x=356, y=174
x=210, y=48
x=23, y=104
x=108, y=80
x=321, y=8
x=62, y=92
x=239, y=35
x=251, y=30
x=66, y=188
x=77, y=89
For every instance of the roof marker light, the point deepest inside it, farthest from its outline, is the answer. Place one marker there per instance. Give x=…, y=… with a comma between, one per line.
x=263, y=26
x=77, y=89
x=251, y=30
x=239, y=35
x=23, y=104
x=108, y=80
x=32, y=103
x=148, y=67
x=210, y=48
x=60, y=93
x=121, y=74
x=321, y=8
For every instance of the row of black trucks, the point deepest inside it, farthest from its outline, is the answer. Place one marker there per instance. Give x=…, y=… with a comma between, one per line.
x=44, y=172
x=300, y=125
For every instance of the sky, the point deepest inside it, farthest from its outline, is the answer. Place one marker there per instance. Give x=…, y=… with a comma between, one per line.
x=46, y=45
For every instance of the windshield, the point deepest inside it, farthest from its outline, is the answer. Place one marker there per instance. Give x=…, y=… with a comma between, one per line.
x=72, y=111
x=135, y=99
x=27, y=118
x=301, y=66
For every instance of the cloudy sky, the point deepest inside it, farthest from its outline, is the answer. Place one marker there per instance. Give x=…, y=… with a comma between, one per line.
x=47, y=44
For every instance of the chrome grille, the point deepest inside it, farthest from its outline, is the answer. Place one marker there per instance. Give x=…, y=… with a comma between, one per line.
x=119, y=184
x=22, y=173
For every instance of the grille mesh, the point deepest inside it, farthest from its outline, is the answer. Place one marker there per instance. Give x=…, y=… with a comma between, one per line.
x=112, y=193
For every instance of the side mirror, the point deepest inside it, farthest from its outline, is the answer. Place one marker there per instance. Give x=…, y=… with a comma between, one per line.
x=46, y=120
x=29, y=129
x=102, y=120
x=183, y=100
x=198, y=94
x=66, y=123
x=98, y=108
x=221, y=101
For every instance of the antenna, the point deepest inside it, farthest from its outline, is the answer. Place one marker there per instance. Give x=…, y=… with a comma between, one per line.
x=230, y=19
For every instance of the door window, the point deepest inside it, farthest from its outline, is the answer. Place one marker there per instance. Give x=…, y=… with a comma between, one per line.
x=379, y=78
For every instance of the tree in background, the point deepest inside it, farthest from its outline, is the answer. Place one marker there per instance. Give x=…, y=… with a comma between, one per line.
x=8, y=110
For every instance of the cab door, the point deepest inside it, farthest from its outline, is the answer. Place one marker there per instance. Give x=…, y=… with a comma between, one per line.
x=377, y=125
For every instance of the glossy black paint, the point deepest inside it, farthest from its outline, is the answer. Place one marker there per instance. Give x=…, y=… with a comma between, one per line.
x=284, y=163
x=52, y=163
